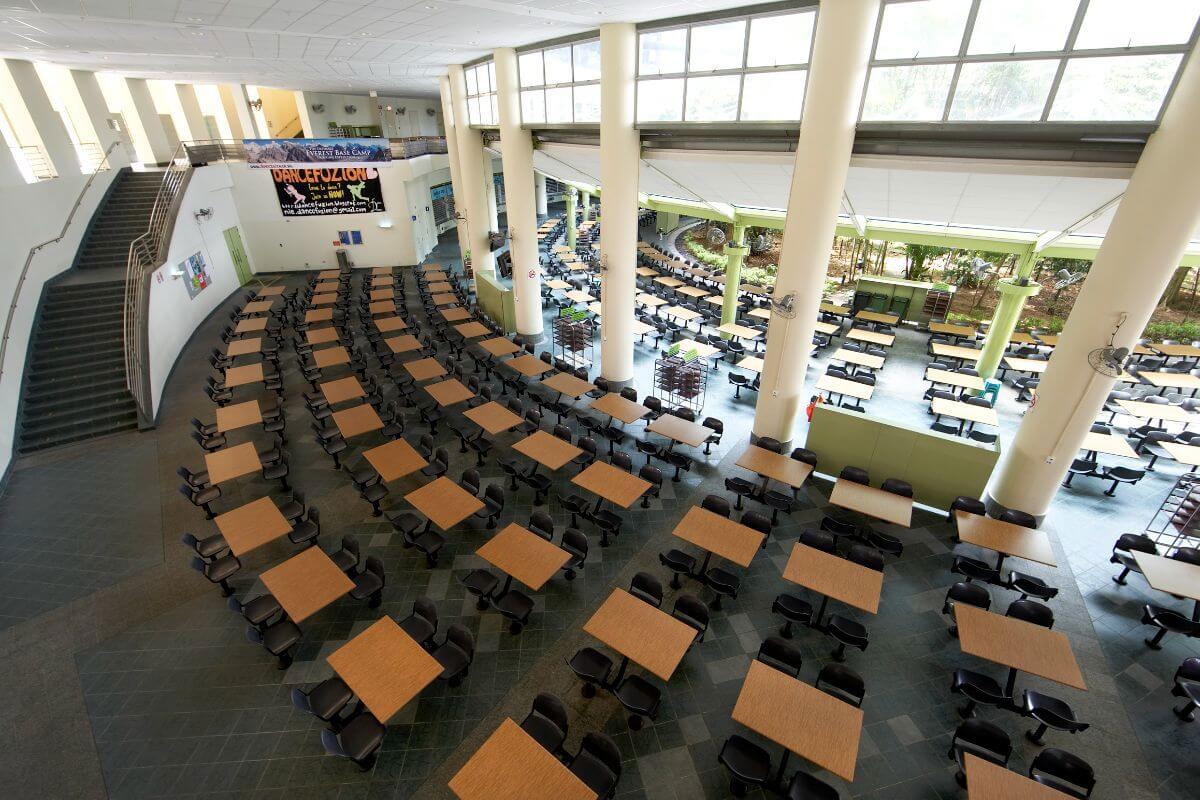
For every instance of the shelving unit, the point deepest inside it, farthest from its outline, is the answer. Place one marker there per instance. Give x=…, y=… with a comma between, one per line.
x=1176, y=523
x=573, y=337
x=680, y=379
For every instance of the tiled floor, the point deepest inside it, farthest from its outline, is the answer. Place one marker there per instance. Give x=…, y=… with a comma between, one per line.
x=175, y=702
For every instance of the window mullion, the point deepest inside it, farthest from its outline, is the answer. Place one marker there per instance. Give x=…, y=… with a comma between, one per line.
x=1062, y=64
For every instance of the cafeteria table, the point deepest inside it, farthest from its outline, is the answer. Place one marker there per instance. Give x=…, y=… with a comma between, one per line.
x=493, y=417
x=341, y=390
x=394, y=460
x=512, y=765
x=770, y=465
x=641, y=633
x=1172, y=576
x=252, y=525
x=238, y=415
x=520, y=553
x=444, y=503
x=1004, y=538
x=872, y=502
x=384, y=667
x=1018, y=645
x=231, y=462
x=832, y=576
x=720, y=536
x=306, y=583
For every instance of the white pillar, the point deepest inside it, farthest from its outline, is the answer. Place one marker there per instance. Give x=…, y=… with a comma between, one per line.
x=197, y=128
x=148, y=119
x=489, y=184
x=539, y=188
x=585, y=200
x=838, y=70
x=237, y=110
x=1141, y=251
x=302, y=112
x=96, y=108
x=620, y=153
x=51, y=128
x=472, y=203
x=456, y=181
x=517, y=160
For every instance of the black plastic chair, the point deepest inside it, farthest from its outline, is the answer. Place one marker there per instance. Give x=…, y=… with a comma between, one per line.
x=723, y=584
x=1017, y=517
x=358, y=741
x=965, y=592
x=679, y=563
x=1167, y=621
x=368, y=584
x=592, y=667
x=1187, y=686
x=855, y=475
x=1030, y=585
x=277, y=639
x=1031, y=611
x=1049, y=712
x=805, y=787
x=780, y=654
x=542, y=524
x=748, y=764
x=455, y=654
x=546, y=723
x=648, y=588
x=1064, y=772
x=639, y=697
x=218, y=571
x=653, y=475
x=692, y=611
x=597, y=764
x=422, y=623
x=1124, y=548
x=843, y=683
x=793, y=609
x=208, y=548
x=576, y=544
x=981, y=739
x=259, y=612
x=716, y=504
x=847, y=633
x=515, y=606
x=978, y=689
x=325, y=701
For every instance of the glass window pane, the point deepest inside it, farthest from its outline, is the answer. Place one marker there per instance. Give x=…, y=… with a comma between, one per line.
x=494, y=119
x=1022, y=26
x=1003, y=90
x=472, y=82
x=907, y=93
x=491, y=72
x=773, y=95
x=717, y=46
x=473, y=110
x=660, y=101
x=587, y=61
x=558, y=104
x=661, y=52
x=558, y=65
x=587, y=103
x=780, y=40
x=531, y=68
x=1114, y=88
x=1124, y=23
x=533, y=106
x=926, y=28
x=712, y=99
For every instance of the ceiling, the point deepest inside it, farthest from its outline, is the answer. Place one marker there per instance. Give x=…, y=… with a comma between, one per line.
x=1024, y=196
x=393, y=46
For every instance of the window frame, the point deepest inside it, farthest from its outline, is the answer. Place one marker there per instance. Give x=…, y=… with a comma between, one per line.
x=545, y=86
x=488, y=66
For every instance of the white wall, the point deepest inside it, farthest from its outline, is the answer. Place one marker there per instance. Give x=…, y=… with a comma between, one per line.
x=415, y=121
x=173, y=314
x=335, y=110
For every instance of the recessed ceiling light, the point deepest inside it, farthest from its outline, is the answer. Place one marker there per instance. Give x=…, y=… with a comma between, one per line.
x=195, y=19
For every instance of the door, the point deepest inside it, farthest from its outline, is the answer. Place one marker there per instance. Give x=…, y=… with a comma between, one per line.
x=241, y=264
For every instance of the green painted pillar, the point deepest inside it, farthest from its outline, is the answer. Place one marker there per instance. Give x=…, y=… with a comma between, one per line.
x=660, y=221
x=572, y=230
x=735, y=252
x=587, y=205
x=1008, y=313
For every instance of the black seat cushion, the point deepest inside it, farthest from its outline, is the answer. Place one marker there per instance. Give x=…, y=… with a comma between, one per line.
x=280, y=636
x=419, y=628
x=594, y=773
x=638, y=695
x=590, y=664
x=794, y=608
x=361, y=737
x=452, y=659
x=544, y=732
x=515, y=605
x=329, y=697
x=746, y=760
x=261, y=609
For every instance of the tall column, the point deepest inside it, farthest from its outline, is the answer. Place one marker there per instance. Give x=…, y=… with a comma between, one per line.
x=96, y=108
x=572, y=225
x=51, y=128
x=539, y=189
x=735, y=252
x=148, y=119
x=620, y=153
x=837, y=73
x=306, y=125
x=517, y=160
x=237, y=110
x=1150, y=229
x=489, y=184
x=472, y=203
x=586, y=202
x=456, y=181
x=1008, y=311
x=660, y=221
x=197, y=128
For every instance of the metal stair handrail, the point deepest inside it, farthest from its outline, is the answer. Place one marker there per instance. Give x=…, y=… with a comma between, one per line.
x=33, y=251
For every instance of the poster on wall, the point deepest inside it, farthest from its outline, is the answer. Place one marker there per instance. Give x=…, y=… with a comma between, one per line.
x=332, y=190
x=283, y=153
x=195, y=274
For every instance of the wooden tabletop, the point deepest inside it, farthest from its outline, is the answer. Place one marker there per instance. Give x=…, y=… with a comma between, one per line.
x=579, y=296
x=472, y=330
x=649, y=637
x=402, y=344
x=323, y=299
x=765, y=313
x=685, y=314
x=954, y=379
x=835, y=385
x=389, y=324
x=252, y=525
x=511, y=765
x=1163, y=411
x=775, y=466
x=321, y=335
x=752, y=363
x=1172, y=380
x=546, y=449
x=702, y=349
x=568, y=384
x=444, y=502
x=988, y=781
x=836, y=310
x=269, y=291
x=329, y=273
x=384, y=667
x=646, y=272
x=444, y=299
x=394, y=460
x=1170, y=575
x=499, y=346
x=950, y=329
x=692, y=291
x=1183, y=453
x=874, y=337
x=244, y=347
x=455, y=314
x=382, y=308
x=319, y=315
x=232, y=462
x=856, y=357
x=357, y=420
x=306, y=583
x=528, y=365
x=331, y=356
x=875, y=316
x=835, y=577
x=807, y=721
x=382, y=294
x=1033, y=365
x=341, y=390
x=524, y=555
x=240, y=376
x=251, y=325
x=424, y=369
x=613, y=484
x=493, y=417
x=1015, y=643
x=680, y=430
x=238, y=415
x=719, y=535
x=1108, y=443
x=1170, y=350
x=557, y=285
x=1021, y=337
x=668, y=281
x=956, y=351
x=326, y=286
x=739, y=331
x=1005, y=537
x=650, y=300
x=960, y=410
x=827, y=328
x=873, y=502
x=620, y=408
x=448, y=392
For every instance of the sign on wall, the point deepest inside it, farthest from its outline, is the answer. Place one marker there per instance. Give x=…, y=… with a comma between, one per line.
x=195, y=274
x=331, y=190
x=283, y=153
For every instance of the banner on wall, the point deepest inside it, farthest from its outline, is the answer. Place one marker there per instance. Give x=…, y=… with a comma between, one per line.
x=331, y=190
x=283, y=153
x=195, y=274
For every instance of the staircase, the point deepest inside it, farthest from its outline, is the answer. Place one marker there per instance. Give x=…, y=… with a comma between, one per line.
x=74, y=385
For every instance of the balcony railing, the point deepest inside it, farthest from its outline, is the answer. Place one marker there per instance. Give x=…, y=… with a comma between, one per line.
x=34, y=163
x=91, y=157
x=414, y=146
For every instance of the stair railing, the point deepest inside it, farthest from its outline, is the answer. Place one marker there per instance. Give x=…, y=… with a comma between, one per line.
x=33, y=251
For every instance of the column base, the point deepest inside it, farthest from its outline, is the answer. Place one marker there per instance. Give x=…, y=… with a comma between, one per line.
x=617, y=386
x=996, y=508
x=534, y=338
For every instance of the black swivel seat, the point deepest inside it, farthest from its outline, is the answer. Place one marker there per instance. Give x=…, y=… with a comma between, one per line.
x=805, y=787
x=546, y=722
x=1049, y=712
x=780, y=654
x=679, y=563
x=455, y=654
x=843, y=683
x=794, y=610
x=981, y=739
x=692, y=611
x=597, y=764
x=259, y=612
x=368, y=584
x=482, y=584
x=575, y=543
x=208, y=548
x=516, y=607
x=648, y=588
x=1064, y=772
x=277, y=639
x=324, y=701
x=1187, y=686
x=592, y=667
x=965, y=592
x=748, y=764
x=979, y=689
x=422, y=623
x=639, y=697
x=358, y=741
x=218, y=571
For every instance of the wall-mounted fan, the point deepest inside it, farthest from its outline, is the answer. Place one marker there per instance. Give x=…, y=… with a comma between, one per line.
x=256, y=104
x=715, y=235
x=1063, y=279
x=351, y=109
x=429, y=112
x=784, y=306
x=318, y=107
x=1110, y=361
x=401, y=111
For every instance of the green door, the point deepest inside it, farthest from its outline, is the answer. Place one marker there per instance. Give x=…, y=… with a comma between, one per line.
x=233, y=240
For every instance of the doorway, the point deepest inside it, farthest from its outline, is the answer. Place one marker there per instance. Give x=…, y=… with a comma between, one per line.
x=241, y=263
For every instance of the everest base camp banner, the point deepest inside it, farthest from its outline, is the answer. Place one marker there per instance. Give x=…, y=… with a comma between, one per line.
x=328, y=190
x=282, y=153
